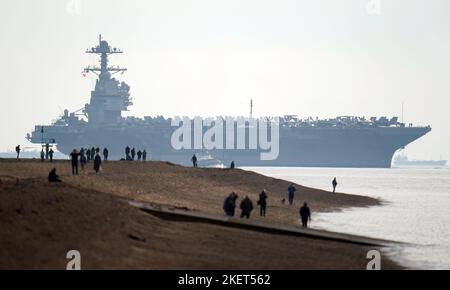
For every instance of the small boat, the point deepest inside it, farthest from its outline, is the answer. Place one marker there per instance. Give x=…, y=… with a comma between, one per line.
x=206, y=160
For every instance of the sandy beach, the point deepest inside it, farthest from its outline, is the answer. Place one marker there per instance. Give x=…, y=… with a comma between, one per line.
x=40, y=222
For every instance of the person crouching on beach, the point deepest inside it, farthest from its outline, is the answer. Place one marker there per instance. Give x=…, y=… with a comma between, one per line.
x=53, y=177
x=305, y=215
x=97, y=162
x=246, y=207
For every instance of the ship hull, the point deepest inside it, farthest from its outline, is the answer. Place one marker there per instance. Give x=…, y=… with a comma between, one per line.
x=369, y=147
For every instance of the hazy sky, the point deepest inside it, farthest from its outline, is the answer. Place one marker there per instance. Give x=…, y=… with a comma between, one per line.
x=322, y=58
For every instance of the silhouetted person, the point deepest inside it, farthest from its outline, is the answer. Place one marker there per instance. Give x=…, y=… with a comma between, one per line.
x=127, y=153
x=305, y=215
x=262, y=202
x=18, y=151
x=334, y=183
x=232, y=165
x=246, y=207
x=52, y=177
x=133, y=153
x=82, y=158
x=42, y=155
x=229, y=205
x=88, y=155
x=291, y=192
x=105, y=154
x=47, y=147
x=144, y=155
x=194, y=160
x=139, y=155
x=97, y=162
x=50, y=154
x=92, y=153
x=74, y=157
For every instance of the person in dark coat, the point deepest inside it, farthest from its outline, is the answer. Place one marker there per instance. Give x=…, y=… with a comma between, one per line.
x=53, y=177
x=305, y=215
x=18, y=151
x=82, y=158
x=74, y=157
x=246, y=207
x=105, y=154
x=50, y=154
x=88, y=155
x=42, y=155
x=144, y=155
x=139, y=155
x=334, y=183
x=127, y=153
x=229, y=205
x=133, y=153
x=97, y=162
x=262, y=202
x=291, y=191
x=194, y=160
x=92, y=153
x=232, y=165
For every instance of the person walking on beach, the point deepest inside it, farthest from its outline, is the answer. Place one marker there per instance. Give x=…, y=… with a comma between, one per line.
x=262, y=202
x=305, y=215
x=105, y=154
x=139, y=155
x=74, y=157
x=194, y=160
x=50, y=154
x=97, y=162
x=82, y=158
x=88, y=155
x=127, y=153
x=232, y=165
x=291, y=192
x=246, y=207
x=53, y=177
x=42, y=155
x=47, y=147
x=92, y=153
x=18, y=151
x=133, y=153
x=334, y=183
x=144, y=155
x=229, y=205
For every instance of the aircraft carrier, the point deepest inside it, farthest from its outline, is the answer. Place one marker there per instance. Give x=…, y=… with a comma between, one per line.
x=346, y=141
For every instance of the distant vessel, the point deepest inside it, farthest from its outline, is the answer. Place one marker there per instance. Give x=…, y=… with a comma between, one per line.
x=207, y=160
x=402, y=160
x=345, y=141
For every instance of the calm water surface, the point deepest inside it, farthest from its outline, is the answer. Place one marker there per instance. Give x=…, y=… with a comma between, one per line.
x=416, y=208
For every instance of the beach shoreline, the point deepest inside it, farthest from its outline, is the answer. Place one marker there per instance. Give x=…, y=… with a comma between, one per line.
x=40, y=220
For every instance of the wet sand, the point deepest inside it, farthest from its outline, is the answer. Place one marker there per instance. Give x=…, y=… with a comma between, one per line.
x=40, y=222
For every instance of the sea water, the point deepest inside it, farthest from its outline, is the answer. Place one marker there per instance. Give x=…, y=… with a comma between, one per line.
x=415, y=209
